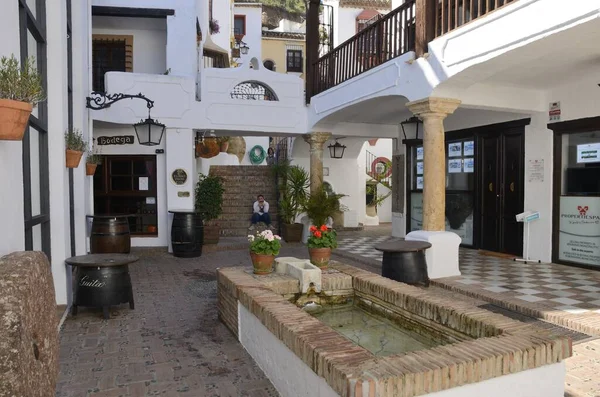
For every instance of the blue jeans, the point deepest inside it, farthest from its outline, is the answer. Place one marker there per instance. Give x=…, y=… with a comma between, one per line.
x=266, y=218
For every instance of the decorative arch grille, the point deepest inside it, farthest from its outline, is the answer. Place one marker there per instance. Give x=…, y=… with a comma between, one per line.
x=253, y=90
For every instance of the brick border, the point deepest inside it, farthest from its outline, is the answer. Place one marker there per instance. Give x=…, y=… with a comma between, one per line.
x=503, y=346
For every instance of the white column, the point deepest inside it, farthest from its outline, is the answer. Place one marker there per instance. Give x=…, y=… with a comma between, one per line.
x=11, y=152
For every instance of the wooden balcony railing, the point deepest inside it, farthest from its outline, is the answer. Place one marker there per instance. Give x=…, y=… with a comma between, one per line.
x=385, y=39
x=451, y=14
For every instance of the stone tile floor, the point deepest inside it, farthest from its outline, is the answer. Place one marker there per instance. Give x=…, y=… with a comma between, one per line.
x=173, y=345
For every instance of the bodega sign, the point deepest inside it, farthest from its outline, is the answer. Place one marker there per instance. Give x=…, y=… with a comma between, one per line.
x=115, y=140
x=579, y=239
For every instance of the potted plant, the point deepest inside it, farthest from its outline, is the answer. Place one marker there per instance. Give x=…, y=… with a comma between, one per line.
x=20, y=90
x=91, y=162
x=264, y=247
x=75, y=146
x=322, y=205
x=293, y=197
x=374, y=200
x=320, y=243
x=223, y=143
x=209, y=205
x=213, y=26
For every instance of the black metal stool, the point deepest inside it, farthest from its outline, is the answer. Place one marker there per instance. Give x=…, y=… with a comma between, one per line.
x=404, y=261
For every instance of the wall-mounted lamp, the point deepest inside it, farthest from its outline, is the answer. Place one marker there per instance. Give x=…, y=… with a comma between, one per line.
x=336, y=151
x=412, y=126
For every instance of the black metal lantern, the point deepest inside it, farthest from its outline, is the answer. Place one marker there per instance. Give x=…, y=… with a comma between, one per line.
x=149, y=131
x=244, y=48
x=412, y=126
x=336, y=151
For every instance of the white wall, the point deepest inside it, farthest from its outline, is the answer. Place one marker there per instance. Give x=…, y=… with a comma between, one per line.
x=149, y=40
x=161, y=177
x=223, y=13
x=11, y=153
x=253, y=37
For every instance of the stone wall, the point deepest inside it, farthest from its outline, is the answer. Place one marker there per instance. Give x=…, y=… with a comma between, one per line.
x=29, y=326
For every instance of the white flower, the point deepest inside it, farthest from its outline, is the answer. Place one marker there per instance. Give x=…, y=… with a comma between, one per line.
x=277, y=237
x=270, y=238
x=250, y=238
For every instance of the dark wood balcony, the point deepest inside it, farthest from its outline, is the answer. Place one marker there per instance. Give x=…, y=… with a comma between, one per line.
x=410, y=27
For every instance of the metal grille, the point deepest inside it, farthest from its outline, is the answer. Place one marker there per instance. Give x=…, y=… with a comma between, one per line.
x=108, y=55
x=253, y=90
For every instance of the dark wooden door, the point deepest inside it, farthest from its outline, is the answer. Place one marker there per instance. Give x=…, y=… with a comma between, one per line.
x=502, y=184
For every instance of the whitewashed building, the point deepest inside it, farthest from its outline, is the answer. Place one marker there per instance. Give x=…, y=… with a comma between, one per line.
x=507, y=96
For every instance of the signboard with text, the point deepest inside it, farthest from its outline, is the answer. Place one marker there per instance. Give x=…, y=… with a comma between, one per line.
x=579, y=239
x=115, y=140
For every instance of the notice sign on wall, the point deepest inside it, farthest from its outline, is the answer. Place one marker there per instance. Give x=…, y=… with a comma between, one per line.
x=579, y=239
x=535, y=170
x=554, y=111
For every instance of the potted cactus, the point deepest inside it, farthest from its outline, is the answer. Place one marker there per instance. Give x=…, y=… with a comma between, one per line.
x=75, y=146
x=20, y=90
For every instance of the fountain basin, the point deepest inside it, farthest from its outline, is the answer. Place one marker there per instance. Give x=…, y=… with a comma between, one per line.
x=466, y=350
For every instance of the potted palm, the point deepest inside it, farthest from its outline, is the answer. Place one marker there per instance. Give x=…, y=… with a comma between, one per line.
x=264, y=247
x=293, y=196
x=20, y=90
x=209, y=205
x=75, y=146
x=91, y=162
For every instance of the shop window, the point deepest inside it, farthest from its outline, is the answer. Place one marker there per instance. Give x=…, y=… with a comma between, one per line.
x=579, y=207
x=110, y=53
x=127, y=185
x=294, y=61
x=239, y=26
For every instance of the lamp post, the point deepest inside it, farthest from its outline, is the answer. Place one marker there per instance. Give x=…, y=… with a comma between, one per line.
x=412, y=126
x=336, y=151
x=149, y=131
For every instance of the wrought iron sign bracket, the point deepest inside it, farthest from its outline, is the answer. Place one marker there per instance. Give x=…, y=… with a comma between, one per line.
x=100, y=100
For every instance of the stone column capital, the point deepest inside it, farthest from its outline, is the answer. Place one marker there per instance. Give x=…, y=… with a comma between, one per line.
x=433, y=107
x=318, y=138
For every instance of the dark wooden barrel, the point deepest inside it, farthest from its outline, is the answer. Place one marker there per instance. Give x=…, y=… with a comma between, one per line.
x=103, y=286
x=187, y=235
x=404, y=261
x=110, y=235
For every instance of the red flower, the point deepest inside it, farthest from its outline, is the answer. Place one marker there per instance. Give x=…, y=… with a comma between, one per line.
x=318, y=234
x=323, y=228
x=313, y=229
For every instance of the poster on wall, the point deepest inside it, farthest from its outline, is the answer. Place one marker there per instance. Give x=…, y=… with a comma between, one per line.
x=455, y=166
x=464, y=231
x=455, y=149
x=419, y=168
x=469, y=148
x=588, y=153
x=143, y=183
x=420, y=182
x=420, y=153
x=469, y=165
x=579, y=225
x=535, y=170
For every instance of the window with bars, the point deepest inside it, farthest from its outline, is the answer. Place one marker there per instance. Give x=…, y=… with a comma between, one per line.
x=239, y=26
x=295, y=61
x=110, y=54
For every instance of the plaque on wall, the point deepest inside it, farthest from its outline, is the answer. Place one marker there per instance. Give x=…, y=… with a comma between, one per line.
x=183, y=194
x=116, y=140
x=179, y=176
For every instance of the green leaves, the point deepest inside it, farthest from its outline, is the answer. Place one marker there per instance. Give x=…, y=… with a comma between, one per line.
x=322, y=205
x=328, y=239
x=20, y=84
x=265, y=243
x=209, y=197
x=74, y=140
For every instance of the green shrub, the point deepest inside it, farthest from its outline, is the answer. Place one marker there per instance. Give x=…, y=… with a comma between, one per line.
x=20, y=84
x=74, y=140
x=209, y=197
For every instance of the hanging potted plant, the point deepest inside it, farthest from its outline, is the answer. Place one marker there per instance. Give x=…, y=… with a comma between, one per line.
x=209, y=205
x=91, y=162
x=20, y=90
x=75, y=146
x=223, y=143
x=264, y=247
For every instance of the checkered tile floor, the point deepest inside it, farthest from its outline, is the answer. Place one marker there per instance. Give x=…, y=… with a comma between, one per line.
x=548, y=286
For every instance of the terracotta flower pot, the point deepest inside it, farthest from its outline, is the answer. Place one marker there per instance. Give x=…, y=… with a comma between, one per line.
x=292, y=233
x=211, y=234
x=90, y=169
x=73, y=158
x=263, y=264
x=320, y=257
x=14, y=116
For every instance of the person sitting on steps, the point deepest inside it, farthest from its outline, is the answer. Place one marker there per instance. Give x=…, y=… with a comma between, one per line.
x=261, y=212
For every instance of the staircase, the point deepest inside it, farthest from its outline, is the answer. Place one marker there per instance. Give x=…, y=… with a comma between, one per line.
x=242, y=184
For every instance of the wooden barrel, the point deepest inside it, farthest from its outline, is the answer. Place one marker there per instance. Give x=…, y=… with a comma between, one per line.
x=110, y=235
x=187, y=235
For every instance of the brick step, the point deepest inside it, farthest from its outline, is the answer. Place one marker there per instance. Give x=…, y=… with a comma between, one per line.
x=246, y=216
